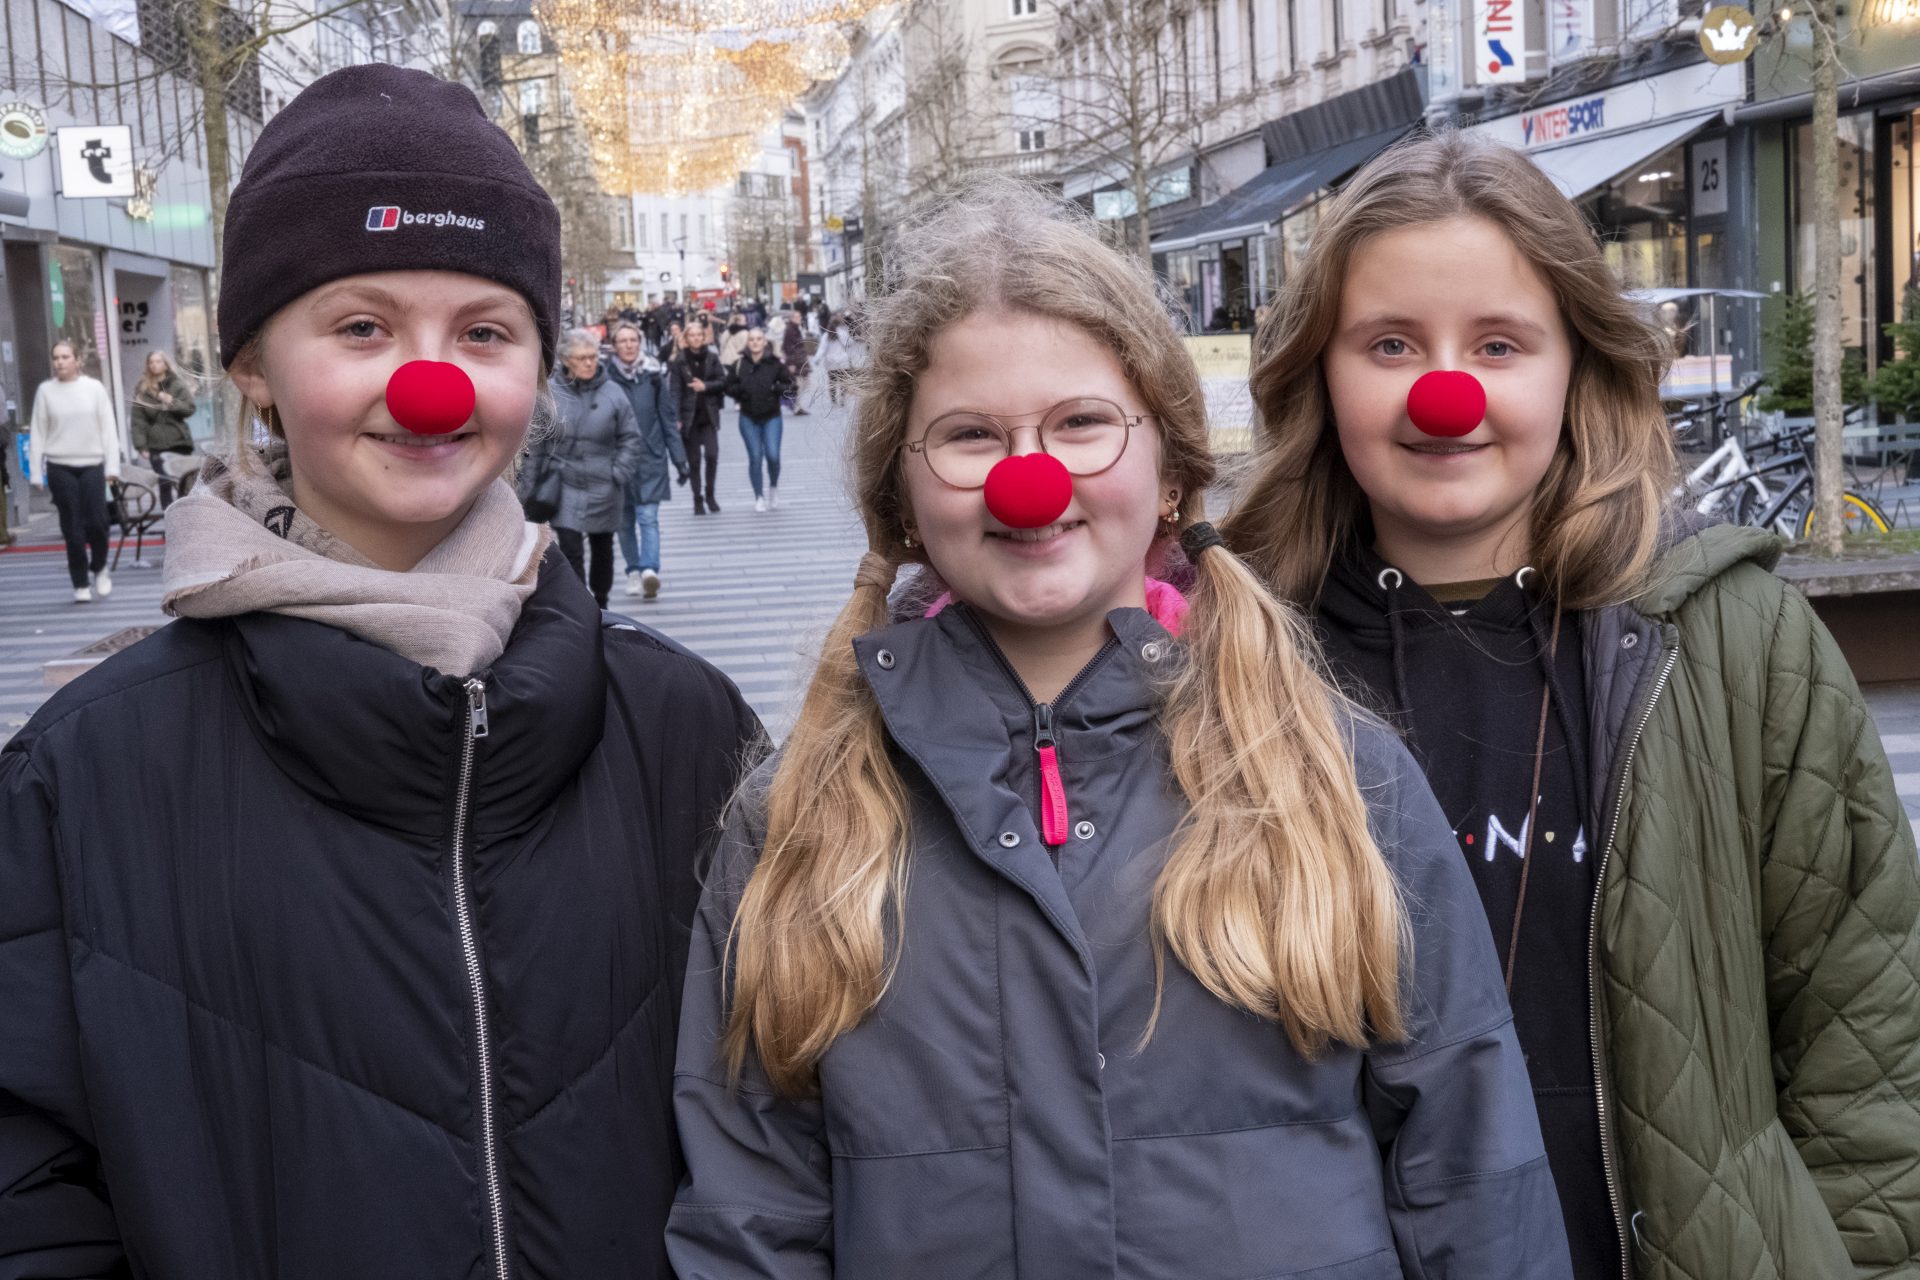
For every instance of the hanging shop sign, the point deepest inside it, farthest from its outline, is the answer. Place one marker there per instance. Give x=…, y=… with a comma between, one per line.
x=1499, y=54
x=23, y=130
x=1728, y=34
x=95, y=160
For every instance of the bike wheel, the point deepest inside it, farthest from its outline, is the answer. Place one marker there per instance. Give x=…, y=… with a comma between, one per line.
x=1858, y=515
x=1750, y=502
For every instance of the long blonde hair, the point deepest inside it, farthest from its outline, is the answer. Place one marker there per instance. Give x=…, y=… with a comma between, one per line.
x=1274, y=896
x=1595, y=518
x=149, y=382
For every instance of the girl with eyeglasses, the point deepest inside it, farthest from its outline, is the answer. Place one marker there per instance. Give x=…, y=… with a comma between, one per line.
x=1081, y=929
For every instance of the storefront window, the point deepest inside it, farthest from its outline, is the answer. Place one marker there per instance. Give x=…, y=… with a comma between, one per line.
x=1857, y=304
x=1296, y=232
x=1182, y=277
x=192, y=348
x=73, y=295
x=1642, y=218
x=1904, y=179
x=1266, y=270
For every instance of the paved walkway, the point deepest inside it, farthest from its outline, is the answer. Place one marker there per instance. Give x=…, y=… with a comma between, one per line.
x=754, y=593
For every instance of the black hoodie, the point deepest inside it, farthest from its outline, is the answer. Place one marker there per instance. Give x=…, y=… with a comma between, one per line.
x=1463, y=680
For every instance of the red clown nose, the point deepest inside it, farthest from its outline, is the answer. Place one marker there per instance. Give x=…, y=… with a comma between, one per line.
x=1447, y=402
x=1028, y=490
x=430, y=397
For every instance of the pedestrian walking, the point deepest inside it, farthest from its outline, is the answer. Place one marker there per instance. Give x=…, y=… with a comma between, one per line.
x=342, y=917
x=1654, y=759
x=793, y=352
x=1080, y=929
x=650, y=391
x=596, y=447
x=841, y=355
x=734, y=344
x=758, y=384
x=700, y=388
x=162, y=403
x=73, y=450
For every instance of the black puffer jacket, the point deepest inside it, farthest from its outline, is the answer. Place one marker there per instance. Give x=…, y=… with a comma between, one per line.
x=757, y=385
x=237, y=980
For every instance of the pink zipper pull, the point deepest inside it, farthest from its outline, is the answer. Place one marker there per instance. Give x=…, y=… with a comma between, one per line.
x=1053, y=793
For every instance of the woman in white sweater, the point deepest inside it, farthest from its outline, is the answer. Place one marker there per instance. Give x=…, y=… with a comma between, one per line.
x=74, y=449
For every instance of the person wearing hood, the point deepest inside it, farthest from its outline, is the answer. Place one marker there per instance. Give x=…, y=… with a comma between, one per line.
x=370, y=966
x=595, y=442
x=650, y=391
x=1651, y=755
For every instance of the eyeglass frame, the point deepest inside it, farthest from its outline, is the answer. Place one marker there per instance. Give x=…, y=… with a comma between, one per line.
x=1128, y=421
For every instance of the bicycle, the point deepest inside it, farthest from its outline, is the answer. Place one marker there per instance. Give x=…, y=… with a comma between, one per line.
x=1789, y=512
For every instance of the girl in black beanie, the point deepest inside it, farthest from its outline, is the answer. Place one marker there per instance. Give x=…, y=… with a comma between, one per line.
x=372, y=966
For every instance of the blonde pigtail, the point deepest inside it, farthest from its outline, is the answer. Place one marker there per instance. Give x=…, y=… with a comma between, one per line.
x=809, y=951
x=1275, y=896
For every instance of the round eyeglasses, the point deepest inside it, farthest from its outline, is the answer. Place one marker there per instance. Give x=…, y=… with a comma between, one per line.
x=1085, y=435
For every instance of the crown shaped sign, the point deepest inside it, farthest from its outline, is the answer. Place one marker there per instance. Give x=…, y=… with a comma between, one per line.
x=1727, y=33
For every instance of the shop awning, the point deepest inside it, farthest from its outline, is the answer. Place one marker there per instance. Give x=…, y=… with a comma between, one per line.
x=1258, y=203
x=1579, y=167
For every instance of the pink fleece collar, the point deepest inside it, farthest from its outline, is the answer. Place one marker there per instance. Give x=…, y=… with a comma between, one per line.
x=1164, y=602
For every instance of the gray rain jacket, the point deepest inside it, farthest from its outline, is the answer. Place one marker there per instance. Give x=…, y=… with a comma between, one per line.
x=996, y=1116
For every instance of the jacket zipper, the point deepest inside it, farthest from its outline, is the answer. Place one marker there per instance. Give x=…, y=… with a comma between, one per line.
x=1053, y=792
x=476, y=980
x=1622, y=1229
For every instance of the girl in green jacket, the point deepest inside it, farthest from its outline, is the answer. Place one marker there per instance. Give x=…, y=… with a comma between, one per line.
x=1655, y=761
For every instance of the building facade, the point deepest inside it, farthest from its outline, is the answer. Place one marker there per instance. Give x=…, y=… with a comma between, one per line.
x=88, y=107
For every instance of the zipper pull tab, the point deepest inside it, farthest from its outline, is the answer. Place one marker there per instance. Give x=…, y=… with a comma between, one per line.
x=1053, y=793
x=477, y=708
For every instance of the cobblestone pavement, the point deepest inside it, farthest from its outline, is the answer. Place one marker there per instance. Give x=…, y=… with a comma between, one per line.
x=753, y=593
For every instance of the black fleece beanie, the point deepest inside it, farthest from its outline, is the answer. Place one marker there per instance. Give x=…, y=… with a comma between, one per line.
x=379, y=168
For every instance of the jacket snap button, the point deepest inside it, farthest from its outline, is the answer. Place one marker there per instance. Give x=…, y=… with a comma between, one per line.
x=1102, y=1059
x=1151, y=651
x=1083, y=829
x=885, y=659
x=1629, y=640
x=1008, y=839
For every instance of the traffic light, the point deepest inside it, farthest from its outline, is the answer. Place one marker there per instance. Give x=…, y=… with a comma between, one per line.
x=726, y=272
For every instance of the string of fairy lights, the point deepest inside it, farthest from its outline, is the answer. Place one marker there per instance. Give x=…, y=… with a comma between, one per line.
x=700, y=80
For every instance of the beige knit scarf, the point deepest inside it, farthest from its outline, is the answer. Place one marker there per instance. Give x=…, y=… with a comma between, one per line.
x=237, y=544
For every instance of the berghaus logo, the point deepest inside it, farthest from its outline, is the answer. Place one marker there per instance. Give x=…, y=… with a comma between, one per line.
x=391, y=217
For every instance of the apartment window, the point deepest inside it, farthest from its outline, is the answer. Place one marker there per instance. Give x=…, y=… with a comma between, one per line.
x=527, y=37
x=1025, y=8
x=533, y=97
x=1293, y=36
x=1213, y=36
x=1030, y=140
x=622, y=225
x=663, y=231
x=640, y=230
x=1186, y=58
x=1339, y=27
x=1250, y=35
x=702, y=241
x=683, y=227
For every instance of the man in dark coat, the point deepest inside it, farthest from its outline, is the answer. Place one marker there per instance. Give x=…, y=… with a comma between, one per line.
x=651, y=392
x=699, y=383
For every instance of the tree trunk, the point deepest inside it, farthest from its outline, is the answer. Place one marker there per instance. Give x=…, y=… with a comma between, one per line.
x=1828, y=407
x=210, y=67
x=1141, y=190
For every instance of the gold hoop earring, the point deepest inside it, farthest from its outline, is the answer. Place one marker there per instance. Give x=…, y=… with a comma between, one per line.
x=270, y=419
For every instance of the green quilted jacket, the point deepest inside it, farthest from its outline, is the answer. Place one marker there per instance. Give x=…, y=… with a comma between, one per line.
x=1756, y=948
